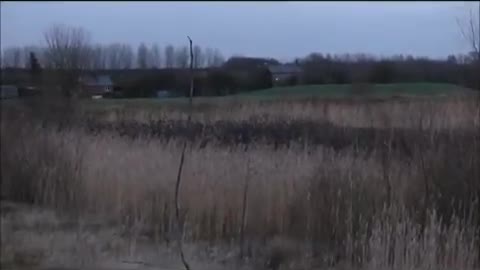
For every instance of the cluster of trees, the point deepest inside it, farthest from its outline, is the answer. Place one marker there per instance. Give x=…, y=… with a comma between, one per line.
x=121, y=56
x=212, y=82
x=69, y=53
x=360, y=68
x=110, y=56
x=246, y=74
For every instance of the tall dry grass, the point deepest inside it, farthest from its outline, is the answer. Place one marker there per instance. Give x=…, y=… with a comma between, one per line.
x=439, y=113
x=342, y=209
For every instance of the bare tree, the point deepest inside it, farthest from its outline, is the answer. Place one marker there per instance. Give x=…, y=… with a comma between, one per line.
x=209, y=57
x=114, y=58
x=218, y=58
x=17, y=56
x=142, y=56
x=11, y=57
x=99, y=57
x=213, y=58
x=181, y=57
x=149, y=58
x=25, y=52
x=169, y=56
x=35, y=69
x=119, y=56
x=156, y=56
x=470, y=29
x=199, y=59
x=4, y=58
x=68, y=52
x=126, y=56
x=25, y=56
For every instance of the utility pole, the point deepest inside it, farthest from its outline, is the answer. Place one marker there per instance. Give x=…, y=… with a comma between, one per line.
x=478, y=47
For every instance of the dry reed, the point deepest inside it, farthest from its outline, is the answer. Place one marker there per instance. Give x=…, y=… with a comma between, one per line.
x=333, y=206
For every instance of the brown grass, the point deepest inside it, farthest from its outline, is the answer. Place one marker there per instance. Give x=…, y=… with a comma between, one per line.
x=440, y=113
x=338, y=209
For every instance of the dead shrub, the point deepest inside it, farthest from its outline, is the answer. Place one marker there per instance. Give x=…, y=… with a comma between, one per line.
x=40, y=166
x=334, y=205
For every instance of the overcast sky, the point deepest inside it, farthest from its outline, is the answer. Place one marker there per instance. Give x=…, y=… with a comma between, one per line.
x=271, y=29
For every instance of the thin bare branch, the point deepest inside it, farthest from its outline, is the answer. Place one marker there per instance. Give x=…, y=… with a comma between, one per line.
x=470, y=30
x=244, y=208
x=180, y=167
x=68, y=51
x=473, y=33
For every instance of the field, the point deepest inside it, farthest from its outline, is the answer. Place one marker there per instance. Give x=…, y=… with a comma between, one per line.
x=326, y=91
x=308, y=183
x=375, y=90
x=302, y=94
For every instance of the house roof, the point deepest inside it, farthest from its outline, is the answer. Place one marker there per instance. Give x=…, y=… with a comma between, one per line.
x=284, y=69
x=237, y=62
x=100, y=80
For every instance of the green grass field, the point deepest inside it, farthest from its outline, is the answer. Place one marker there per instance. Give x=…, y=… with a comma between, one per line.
x=327, y=91
x=375, y=90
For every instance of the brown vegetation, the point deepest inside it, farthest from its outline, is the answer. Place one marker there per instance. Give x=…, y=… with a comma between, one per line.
x=308, y=207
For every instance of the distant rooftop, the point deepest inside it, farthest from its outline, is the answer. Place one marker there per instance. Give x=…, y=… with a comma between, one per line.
x=289, y=68
x=100, y=80
x=248, y=62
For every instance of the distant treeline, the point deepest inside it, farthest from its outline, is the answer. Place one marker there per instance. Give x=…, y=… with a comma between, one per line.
x=320, y=69
x=146, y=82
x=240, y=74
x=120, y=56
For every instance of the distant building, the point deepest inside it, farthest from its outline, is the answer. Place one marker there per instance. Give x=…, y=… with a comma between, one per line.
x=27, y=91
x=164, y=93
x=96, y=85
x=248, y=63
x=8, y=91
x=285, y=74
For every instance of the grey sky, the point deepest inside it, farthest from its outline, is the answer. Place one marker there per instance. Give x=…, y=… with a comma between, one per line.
x=271, y=29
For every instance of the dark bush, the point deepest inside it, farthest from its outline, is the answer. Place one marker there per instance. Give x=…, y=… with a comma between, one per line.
x=261, y=79
x=220, y=82
x=382, y=72
x=147, y=85
x=292, y=81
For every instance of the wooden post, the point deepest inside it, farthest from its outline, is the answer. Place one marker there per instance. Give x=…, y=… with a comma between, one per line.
x=180, y=167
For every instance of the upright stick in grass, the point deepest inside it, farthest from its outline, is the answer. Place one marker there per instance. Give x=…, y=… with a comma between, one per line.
x=244, y=207
x=180, y=166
